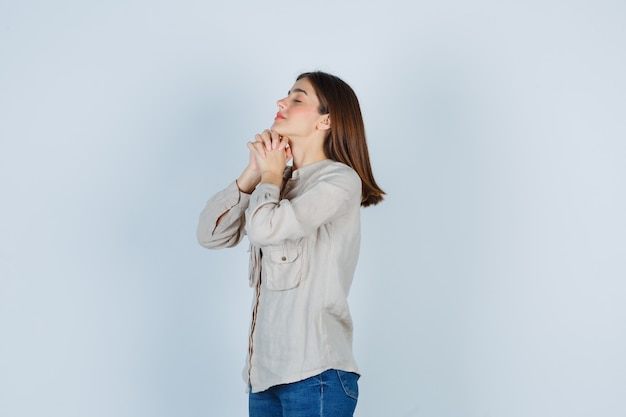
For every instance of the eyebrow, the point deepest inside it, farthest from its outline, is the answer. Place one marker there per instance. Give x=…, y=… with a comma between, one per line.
x=297, y=90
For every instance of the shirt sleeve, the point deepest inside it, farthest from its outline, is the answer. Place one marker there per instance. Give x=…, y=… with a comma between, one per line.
x=228, y=206
x=270, y=221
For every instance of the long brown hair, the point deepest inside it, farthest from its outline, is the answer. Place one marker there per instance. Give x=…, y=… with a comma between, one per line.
x=346, y=141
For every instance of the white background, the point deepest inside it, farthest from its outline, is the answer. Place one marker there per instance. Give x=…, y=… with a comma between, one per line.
x=492, y=278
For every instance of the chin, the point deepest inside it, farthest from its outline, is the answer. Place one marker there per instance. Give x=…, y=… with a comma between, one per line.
x=277, y=130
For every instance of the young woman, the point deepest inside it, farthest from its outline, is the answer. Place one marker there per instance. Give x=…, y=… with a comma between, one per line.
x=303, y=225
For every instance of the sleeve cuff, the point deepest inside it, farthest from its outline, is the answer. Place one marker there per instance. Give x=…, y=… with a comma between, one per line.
x=264, y=193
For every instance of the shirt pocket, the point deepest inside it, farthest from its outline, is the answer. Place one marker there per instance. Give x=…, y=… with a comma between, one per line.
x=282, y=267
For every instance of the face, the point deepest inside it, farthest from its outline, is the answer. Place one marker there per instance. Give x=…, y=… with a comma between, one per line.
x=298, y=114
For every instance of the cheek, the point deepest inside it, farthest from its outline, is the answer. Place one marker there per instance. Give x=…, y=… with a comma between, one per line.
x=306, y=115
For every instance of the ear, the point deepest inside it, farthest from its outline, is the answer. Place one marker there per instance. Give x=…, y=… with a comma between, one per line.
x=324, y=123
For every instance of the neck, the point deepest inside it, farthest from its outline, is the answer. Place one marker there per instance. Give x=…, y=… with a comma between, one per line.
x=307, y=151
x=303, y=157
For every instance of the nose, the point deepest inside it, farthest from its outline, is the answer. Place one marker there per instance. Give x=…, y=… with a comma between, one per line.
x=281, y=104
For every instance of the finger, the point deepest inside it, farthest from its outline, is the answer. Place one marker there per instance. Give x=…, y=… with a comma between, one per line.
x=257, y=148
x=261, y=149
x=276, y=139
x=284, y=143
x=259, y=137
x=288, y=153
x=265, y=139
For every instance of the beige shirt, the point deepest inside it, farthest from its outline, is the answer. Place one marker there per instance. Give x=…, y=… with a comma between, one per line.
x=304, y=246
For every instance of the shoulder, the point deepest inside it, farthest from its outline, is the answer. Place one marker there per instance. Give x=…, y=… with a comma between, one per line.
x=340, y=171
x=342, y=176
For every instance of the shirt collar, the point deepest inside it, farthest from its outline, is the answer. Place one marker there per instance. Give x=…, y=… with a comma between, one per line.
x=308, y=170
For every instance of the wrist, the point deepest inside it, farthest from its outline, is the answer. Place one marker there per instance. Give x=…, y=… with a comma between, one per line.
x=268, y=177
x=247, y=181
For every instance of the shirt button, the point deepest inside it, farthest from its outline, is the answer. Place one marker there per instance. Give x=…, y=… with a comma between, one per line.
x=284, y=258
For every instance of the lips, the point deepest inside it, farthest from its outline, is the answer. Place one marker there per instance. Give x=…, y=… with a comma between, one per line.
x=279, y=116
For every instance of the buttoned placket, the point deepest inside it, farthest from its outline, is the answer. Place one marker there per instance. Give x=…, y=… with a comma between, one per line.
x=293, y=175
x=255, y=309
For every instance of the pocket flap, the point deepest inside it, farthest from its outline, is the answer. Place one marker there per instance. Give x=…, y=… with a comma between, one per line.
x=284, y=255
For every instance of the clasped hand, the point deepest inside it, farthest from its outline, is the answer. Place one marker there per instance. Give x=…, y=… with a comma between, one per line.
x=270, y=152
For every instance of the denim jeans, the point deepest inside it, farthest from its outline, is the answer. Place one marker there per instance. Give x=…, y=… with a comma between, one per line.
x=332, y=393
